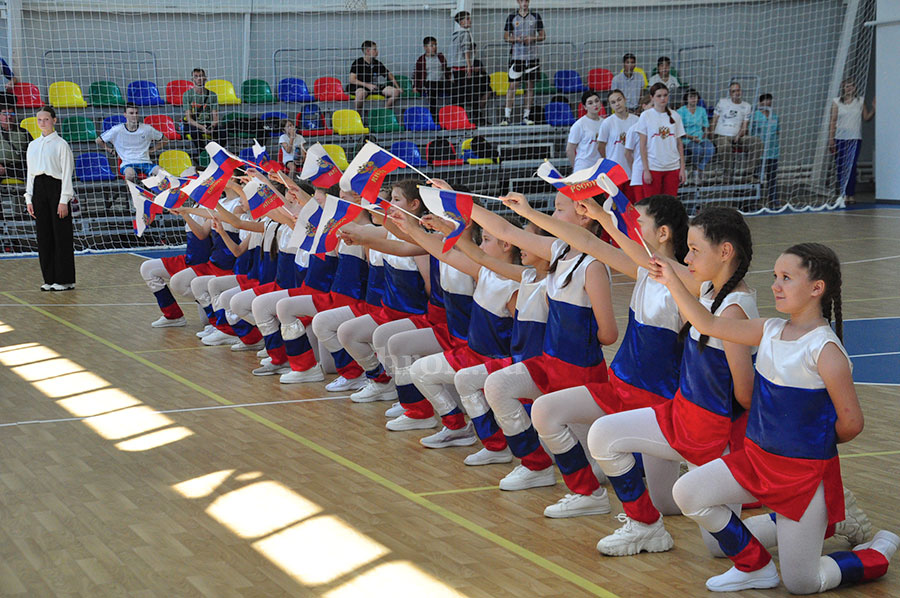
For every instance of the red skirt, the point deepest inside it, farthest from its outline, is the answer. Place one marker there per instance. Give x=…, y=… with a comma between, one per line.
x=551, y=374
x=385, y=314
x=325, y=301
x=269, y=287
x=616, y=395
x=174, y=264
x=499, y=363
x=785, y=484
x=463, y=356
x=246, y=282
x=210, y=269
x=697, y=434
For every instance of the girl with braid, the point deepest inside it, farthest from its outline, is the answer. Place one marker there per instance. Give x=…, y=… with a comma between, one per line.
x=804, y=404
x=662, y=153
x=695, y=426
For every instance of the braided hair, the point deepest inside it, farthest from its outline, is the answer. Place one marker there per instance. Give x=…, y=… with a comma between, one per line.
x=410, y=190
x=656, y=87
x=822, y=263
x=668, y=211
x=722, y=225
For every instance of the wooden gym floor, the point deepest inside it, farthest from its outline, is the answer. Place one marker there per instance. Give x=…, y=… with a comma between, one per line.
x=137, y=462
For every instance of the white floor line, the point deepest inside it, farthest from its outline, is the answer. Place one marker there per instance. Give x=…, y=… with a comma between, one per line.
x=183, y=410
x=876, y=354
x=75, y=304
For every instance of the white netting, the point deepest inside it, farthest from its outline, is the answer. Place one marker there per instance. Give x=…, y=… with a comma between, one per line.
x=798, y=51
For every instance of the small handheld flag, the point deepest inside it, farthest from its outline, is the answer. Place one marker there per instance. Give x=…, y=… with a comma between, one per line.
x=582, y=184
x=207, y=188
x=367, y=171
x=450, y=205
x=319, y=169
x=306, y=225
x=261, y=198
x=335, y=214
x=144, y=209
x=623, y=214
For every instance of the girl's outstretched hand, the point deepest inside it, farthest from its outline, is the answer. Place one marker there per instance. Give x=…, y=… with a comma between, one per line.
x=440, y=184
x=590, y=208
x=436, y=223
x=517, y=202
x=661, y=270
x=400, y=220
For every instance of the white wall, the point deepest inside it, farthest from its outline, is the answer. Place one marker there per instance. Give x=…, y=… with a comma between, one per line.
x=887, y=142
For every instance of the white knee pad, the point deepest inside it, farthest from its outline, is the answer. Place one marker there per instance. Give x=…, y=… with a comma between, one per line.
x=203, y=298
x=149, y=274
x=231, y=317
x=559, y=442
x=292, y=330
x=510, y=415
x=268, y=326
x=402, y=376
x=474, y=404
x=469, y=381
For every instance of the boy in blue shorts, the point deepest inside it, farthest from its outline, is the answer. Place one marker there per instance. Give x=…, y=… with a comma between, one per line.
x=131, y=141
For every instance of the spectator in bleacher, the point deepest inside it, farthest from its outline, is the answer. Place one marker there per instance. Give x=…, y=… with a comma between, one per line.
x=48, y=191
x=730, y=132
x=524, y=29
x=431, y=76
x=293, y=151
x=365, y=78
x=845, y=136
x=764, y=124
x=13, y=140
x=201, y=113
x=131, y=141
x=471, y=86
x=698, y=149
x=612, y=135
x=664, y=75
x=581, y=147
x=628, y=82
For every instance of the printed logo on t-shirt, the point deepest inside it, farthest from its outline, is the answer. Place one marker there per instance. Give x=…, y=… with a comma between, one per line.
x=620, y=139
x=663, y=132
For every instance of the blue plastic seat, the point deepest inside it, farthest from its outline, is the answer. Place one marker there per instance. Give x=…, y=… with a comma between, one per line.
x=418, y=118
x=110, y=121
x=559, y=114
x=409, y=152
x=93, y=167
x=144, y=93
x=292, y=89
x=568, y=82
x=279, y=115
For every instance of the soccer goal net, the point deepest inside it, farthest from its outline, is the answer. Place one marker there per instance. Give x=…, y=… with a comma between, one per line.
x=268, y=62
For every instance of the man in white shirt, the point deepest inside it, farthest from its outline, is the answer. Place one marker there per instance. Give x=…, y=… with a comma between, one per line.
x=131, y=141
x=729, y=127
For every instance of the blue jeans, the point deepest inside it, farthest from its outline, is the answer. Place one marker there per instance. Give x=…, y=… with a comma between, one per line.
x=846, y=153
x=702, y=151
x=768, y=169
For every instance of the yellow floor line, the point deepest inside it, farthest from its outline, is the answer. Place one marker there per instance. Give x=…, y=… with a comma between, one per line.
x=457, y=491
x=459, y=520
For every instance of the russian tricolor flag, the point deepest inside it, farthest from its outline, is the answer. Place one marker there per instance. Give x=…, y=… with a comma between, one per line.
x=319, y=169
x=305, y=228
x=166, y=190
x=336, y=213
x=366, y=173
x=451, y=205
x=144, y=208
x=260, y=198
x=582, y=184
x=207, y=188
x=622, y=212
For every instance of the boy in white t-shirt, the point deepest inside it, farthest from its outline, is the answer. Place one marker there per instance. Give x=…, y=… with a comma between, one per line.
x=729, y=126
x=663, y=75
x=131, y=141
x=581, y=148
x=292, y=143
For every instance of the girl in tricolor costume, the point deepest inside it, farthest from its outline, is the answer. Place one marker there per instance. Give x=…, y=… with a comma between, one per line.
x=804, y=404
x=646, y=367
x=696, y=424
x=580, y=321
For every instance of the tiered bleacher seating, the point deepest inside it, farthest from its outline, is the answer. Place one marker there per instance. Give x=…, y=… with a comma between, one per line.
x=292, y=89
x=175, y=90
x=105, y=93
x=164, y=124
x=144, y=93
x=224, y=91
x=348, y=122
x=66, y=94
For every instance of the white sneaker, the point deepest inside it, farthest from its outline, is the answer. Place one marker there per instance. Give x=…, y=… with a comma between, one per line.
x=634, y=537
x=207, y=330
x=446, y=437
x=734, y=579
x=46, y=287
x=884, y=542
x=856, y=527
x=242, y=346
x=404, y=422
x=313, y=374
x=395, y=410
x=164, y=322
x=267, y=368
x=62, y=287
x=504, y=122
x=375, y=391
x=341, y=384
x=527, y=121
x=486, y=457
x=217, y=337
x=522, y=478
x=262, y=353
x=576, y=505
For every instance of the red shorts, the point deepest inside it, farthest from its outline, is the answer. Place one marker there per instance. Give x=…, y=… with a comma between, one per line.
x=385, y=314
x=463, y=356
x=494, y=365
x=697, y=434
x=304, y=289
x=210, y=269
x=174, y=264
x=637, y=193
x=325, y=301
x=245, y=282
x=664, y=182
x=269, y=287
x=616, y=395
x=551, y=373
x=787, y=485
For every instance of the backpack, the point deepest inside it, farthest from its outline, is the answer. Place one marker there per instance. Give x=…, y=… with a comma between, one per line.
x=482, y=148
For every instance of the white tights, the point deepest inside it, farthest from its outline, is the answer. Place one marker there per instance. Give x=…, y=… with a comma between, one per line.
x=503, y=389
x=433, y=376
x=219, y=285
x=404, y=348
x=356, y=337
x=200, y=289
x=180, y=283
x=154, y=274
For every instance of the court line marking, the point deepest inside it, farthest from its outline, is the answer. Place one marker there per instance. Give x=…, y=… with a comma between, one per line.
x=875, y=454
x=74, y=304
x=179, y=410
x=876, y=354
x=376, y=478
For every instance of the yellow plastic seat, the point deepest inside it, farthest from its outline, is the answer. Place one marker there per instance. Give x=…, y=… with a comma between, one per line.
x=348, y=122
x=12, y=182
x=466, y=146
x=175, y=161
x=338, y=155
x=640, y=71
x=374, y=96
x=30, y=125
x=500, y=83
x=224, y=90
x=66, y=94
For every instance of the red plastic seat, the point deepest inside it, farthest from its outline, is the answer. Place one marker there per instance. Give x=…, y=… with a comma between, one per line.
x=164, y=124
x=329, y=89
x=454, y=118
x=600, y=79
x=27, y=95
x=175, y=89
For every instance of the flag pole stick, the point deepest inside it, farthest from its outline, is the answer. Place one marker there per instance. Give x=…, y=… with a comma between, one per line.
x=464, y=193
x=422, y=174
x=376, y=210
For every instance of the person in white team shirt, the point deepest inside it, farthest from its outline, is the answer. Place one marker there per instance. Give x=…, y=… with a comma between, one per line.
x=581, y=148
x=611, y=138
x=729, y=126
x=662, y=153
x=845, y=135
x=632, y=151
x=131, y=141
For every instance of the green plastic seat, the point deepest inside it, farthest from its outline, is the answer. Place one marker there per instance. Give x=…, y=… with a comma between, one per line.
x=257, y=91
x=543, y=86
x=406, y=86
x=105, y=93
x=383, y=120
x=242, y=124
x=77, y=128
